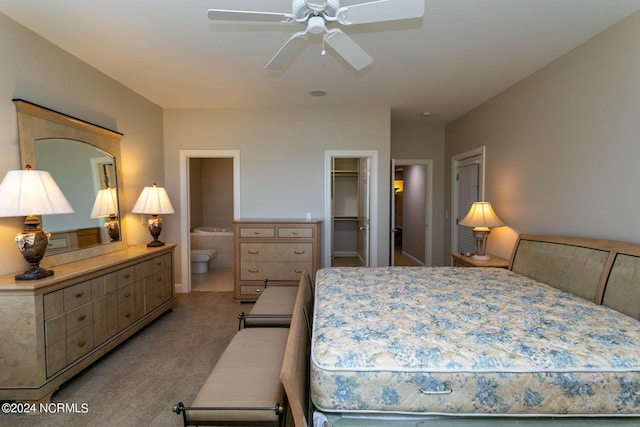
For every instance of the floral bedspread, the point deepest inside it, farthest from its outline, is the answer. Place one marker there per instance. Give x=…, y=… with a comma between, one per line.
x=467, y=341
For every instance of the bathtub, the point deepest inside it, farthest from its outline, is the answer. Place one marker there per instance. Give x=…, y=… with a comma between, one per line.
x=218, y=238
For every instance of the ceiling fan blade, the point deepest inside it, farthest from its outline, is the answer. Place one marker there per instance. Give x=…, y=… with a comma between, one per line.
x=290, y=48
x=348, y=49
x=380, y=10
x=242, y=15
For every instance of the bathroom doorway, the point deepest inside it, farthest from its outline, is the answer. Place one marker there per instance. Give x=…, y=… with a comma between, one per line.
x=210, y=203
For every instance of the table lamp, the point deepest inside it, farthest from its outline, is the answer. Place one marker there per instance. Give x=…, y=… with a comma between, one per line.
x=153, y=201
x=30, y=193
x=481, y=217
x=106, y=206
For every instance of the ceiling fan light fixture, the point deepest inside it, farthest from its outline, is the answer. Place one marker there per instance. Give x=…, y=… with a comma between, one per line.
x=316, y=25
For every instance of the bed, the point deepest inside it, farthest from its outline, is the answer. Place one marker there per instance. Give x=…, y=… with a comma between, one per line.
x=553, y=339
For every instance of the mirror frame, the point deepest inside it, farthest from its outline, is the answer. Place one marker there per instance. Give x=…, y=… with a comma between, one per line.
x=36, y=123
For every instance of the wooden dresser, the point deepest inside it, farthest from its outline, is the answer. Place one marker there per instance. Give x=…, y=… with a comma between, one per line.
x=53, y=328
x=277, y=251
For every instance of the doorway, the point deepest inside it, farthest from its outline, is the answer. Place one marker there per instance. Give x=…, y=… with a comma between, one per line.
x=350, y=208
x=194, y=212
x=411, y=212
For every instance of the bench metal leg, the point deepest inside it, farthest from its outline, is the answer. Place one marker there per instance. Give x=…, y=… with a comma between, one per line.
x=180, y=409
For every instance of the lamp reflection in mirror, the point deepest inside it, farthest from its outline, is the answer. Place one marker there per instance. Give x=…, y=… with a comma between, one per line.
x=154, y=201
x=30, y=193
x=481, y=217
x=106, y=206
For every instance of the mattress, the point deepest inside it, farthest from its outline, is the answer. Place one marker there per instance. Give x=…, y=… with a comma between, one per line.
x=467, y=342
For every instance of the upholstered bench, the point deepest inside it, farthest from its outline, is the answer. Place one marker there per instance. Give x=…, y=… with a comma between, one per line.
x=244, y=387
x=274, y=307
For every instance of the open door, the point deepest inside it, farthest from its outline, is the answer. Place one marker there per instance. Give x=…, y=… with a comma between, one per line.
x=364, y=221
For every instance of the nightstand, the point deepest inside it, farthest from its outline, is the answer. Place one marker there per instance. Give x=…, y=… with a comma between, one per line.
x=459, y=260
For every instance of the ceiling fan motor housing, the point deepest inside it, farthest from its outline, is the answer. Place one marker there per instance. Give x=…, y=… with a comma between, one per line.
x=301, y=9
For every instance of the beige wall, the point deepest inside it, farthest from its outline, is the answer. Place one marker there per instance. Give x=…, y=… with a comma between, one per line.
x=281, y=157
x=562, y=146
x=37, y=71
x=423, y=140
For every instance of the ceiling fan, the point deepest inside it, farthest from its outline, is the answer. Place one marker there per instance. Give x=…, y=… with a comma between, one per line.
x=316, y=16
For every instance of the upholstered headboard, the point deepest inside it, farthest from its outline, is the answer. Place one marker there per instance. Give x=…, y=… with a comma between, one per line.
x=603, y=271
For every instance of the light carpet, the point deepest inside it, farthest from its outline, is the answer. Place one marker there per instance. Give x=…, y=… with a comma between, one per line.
x=138, y=382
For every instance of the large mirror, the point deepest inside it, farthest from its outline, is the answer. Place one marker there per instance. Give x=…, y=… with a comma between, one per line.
x=83, y=159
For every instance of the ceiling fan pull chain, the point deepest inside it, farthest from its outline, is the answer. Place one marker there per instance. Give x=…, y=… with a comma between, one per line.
x=323, y=52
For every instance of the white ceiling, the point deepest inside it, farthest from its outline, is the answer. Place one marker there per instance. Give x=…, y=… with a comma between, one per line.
x=460, y=54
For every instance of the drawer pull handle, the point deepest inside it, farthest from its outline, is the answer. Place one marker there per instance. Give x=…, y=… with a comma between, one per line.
x=127, y=295
x=128, y=315
x=253, y=271
x=159, y=279
x=79, y=294
x=445, y=391
x=296, y=232
x=126, y=276
x=81, y=318
x=257, y=232
x=298, y=252
x=159, y=263
x=82, y=343
x=257, y=290
x=254, y=252
x=297, y=271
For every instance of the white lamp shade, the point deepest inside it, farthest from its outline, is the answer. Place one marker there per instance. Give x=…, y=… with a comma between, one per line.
x=105, y=204
x=481, y=214
x=153, y=201
x=31, y=192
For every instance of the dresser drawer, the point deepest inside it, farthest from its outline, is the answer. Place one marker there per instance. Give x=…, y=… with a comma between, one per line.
x=53, y=304
x=126, y=296
x=76, y=295
x=260, y=232
x=161, y=263
x=143, y=269
x=105, y=328
x=256, y=251
x=56, y=357
x=294, y=232
x=79, y=343
x=125, y=277
x=55, y=330
x=79, y=318
x=273, y=270
x=252, y=290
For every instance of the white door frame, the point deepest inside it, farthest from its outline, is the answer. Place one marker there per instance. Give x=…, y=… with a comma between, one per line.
x=185, y=208
x=373, y=201
x=428, y=238
x=455, y=160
